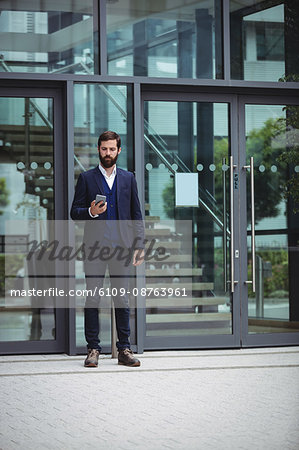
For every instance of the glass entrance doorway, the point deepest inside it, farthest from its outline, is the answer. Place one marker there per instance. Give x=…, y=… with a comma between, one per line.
x=190, y=175
x=229, y=167
x=29, y=128
x=270, y=159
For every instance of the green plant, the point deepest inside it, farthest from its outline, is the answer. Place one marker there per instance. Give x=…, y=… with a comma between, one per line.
x=9, y=265
x=4, y=194
x=279, y=281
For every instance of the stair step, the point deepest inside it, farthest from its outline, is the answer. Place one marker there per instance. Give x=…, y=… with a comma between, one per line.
x=42, y=172
x=15, y=129
x=172, y=302
x=91, y=140
x=187, y=317
x=157, y=232
x=173, y=272
x=19, y=138
x=48, y=182
x=85, y=150
x=172, y=259
x=19, y=149
x=173, y=245
x=153, y=219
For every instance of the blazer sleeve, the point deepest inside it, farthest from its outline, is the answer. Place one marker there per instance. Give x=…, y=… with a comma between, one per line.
x=79, y=209
x=136, y=215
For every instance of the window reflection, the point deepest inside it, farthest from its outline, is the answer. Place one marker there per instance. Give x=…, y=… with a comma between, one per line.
x=264, y=37
x=161, y=39
x=271, y=132
x=36, y=37
x=26, y=197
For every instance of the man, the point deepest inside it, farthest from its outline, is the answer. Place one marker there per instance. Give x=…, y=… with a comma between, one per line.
x=115, y=225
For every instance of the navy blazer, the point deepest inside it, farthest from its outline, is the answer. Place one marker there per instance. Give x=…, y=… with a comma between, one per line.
x=89, y=184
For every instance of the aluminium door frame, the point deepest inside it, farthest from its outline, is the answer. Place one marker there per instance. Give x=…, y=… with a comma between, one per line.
x=46, y=90
x=257, y=339
x=210, y=341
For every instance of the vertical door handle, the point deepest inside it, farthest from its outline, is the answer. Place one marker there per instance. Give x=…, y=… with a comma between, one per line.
x=224, y=243
x=232, y=234
x=252, y=223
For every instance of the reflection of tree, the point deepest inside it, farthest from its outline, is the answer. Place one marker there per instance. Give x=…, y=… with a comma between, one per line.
x=290, y=154
x=4, y=194
x=168, y=199
x=274, y=146
x=266, y=145
x=269, y=185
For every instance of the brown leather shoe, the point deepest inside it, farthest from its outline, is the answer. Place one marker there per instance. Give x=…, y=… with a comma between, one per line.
x=92, y=358
x=126, y=358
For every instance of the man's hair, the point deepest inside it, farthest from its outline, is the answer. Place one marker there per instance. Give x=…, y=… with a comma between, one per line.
x=109, y=136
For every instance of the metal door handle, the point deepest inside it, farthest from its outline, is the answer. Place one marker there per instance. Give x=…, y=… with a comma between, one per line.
x=252, y=223
x=224, y=244
x=232, y=234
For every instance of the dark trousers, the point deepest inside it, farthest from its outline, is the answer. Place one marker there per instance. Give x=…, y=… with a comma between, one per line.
x=119, y=279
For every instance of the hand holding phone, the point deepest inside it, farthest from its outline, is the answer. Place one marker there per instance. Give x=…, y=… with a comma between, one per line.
x=100, y=198
x=99, y=205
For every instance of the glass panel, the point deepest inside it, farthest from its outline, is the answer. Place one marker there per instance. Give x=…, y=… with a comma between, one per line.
x=38, y=36
x=158, y=39
x=272, y=139
x=26, y=186
x=188, y=138
x=100, y=107
x=264, y=37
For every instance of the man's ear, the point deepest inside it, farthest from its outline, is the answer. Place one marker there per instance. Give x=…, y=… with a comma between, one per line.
x=119, y=150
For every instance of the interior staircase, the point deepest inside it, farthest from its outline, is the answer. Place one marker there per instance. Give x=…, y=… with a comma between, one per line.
x=170, y=315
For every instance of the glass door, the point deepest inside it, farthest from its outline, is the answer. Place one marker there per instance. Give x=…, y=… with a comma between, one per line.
x=269, y=216
x=28, y=118
x=191, y=179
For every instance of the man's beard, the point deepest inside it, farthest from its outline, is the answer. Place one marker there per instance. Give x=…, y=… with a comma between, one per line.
x=108, y=161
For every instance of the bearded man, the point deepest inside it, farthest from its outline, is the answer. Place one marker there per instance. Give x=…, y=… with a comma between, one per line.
x=115, y=224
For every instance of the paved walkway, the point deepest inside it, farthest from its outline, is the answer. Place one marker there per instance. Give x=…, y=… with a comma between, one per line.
x=230, y=399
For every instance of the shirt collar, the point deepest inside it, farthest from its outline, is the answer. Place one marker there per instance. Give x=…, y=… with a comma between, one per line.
x=103, y=171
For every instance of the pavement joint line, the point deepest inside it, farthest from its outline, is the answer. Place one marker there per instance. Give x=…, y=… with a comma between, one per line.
x=150, y=357
x=99, y=372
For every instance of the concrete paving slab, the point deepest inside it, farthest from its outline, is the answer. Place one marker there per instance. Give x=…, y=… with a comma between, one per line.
x=178, y=400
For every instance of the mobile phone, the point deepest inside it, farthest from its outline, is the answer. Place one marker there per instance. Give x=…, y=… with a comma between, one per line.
x=100, y=198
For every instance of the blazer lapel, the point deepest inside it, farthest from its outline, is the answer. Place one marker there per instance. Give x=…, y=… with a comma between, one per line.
x=118, y=187
x=98, y=180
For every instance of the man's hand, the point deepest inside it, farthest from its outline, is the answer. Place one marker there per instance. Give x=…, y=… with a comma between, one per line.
x=138, y=257
x=97, y=209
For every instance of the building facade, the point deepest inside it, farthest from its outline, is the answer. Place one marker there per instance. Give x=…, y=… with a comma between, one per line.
x=204, y=95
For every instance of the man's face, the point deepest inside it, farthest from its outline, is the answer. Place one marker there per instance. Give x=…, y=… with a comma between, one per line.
x=108, y=153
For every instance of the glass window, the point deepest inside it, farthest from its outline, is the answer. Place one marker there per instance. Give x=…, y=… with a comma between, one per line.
x=189, y=139
x=26, y=204
x=158, y=39
x=264, y=40
x=35, y=37
x=271, y=139
x=97, y=108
